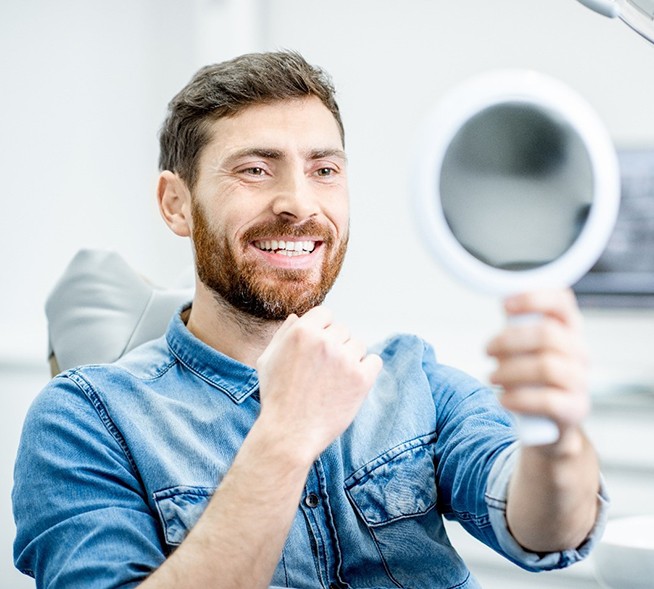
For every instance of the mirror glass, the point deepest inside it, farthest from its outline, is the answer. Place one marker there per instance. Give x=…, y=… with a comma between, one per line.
x=516, y=186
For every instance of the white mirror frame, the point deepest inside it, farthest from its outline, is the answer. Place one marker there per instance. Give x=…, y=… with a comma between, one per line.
x=442, y=125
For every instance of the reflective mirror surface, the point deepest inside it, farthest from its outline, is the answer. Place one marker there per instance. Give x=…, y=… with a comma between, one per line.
x=516, y=186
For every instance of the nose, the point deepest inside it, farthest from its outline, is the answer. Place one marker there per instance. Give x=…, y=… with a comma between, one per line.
x=295, y=197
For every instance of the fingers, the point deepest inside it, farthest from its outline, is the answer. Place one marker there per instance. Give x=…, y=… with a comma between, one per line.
x=542, y=365
x=315, y=319
x=356, y=348
x=338, y=333
x=543, y=369
x=557, y=328
x=320, y=319
x=286, y=325
x=564, y=408
x=319, y=322
x=544, y=335
x=371, y=364
x=559, y=304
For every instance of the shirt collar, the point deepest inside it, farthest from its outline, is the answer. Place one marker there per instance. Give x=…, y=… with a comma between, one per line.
x=233, y=378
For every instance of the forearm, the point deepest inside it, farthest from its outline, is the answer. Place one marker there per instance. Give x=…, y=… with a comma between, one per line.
x=238, y=540
x=552, y=501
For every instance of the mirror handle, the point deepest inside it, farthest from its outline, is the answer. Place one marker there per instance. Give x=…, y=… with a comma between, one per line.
x=533, y=430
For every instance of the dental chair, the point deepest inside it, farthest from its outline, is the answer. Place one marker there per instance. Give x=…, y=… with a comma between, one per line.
x=101, y=308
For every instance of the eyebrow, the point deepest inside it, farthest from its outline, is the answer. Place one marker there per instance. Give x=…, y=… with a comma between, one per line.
x=318, y=154
x=278, y=154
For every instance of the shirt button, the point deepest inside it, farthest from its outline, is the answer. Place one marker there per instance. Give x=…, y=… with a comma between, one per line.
x=311, y=500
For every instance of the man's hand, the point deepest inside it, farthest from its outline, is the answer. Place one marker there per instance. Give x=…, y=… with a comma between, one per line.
x=314, y=377
x=543, y=364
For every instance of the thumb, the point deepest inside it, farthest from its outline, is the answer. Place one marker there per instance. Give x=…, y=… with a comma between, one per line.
x=286, y=325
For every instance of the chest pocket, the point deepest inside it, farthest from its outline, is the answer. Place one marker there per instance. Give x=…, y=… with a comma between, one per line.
x=399, y=484
x=395, y=497
x=179, y=509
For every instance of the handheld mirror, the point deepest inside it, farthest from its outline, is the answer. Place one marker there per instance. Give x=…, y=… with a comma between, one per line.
x=517, y=189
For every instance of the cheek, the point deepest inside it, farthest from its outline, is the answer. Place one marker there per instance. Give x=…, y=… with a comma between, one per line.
x=338, y=212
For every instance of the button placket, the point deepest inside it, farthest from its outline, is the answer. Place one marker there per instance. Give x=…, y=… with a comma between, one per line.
x=315, y=505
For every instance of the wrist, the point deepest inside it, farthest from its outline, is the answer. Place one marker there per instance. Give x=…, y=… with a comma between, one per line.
x=562, y=462
x=281, y=446
x=572, y=443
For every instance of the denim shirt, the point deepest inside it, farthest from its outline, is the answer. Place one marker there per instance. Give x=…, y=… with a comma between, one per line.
x=117, y=463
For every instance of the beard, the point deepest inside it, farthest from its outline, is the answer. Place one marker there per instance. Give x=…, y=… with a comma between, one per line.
x=266, y=293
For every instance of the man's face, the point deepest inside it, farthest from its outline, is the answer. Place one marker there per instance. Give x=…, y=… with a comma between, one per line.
x=270, y=208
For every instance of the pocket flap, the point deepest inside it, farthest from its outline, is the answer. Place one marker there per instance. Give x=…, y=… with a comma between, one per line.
x=180, y=508
x=401, y=483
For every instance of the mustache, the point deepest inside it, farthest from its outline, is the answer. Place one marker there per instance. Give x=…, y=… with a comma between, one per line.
x=282, y=228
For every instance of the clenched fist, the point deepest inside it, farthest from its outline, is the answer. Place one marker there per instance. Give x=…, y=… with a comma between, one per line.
x=313, y=378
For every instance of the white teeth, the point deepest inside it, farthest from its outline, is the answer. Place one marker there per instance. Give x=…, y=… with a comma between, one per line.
x=287, y=248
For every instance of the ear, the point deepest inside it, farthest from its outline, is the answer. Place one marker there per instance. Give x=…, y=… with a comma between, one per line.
x=174, y=200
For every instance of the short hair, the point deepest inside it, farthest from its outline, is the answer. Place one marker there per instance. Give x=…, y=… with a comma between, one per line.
x=227, y=88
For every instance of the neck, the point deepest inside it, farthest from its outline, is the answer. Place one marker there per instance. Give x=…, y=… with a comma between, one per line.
x=228, y=330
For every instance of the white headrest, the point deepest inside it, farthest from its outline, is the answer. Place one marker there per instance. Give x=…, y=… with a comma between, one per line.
x=101, y=308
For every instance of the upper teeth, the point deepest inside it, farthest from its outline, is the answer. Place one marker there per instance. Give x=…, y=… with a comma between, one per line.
x=286, y=247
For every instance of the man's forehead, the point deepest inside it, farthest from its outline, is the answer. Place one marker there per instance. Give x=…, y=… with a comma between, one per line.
x=272, y=125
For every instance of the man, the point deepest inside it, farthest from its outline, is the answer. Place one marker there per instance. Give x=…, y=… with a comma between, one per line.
x=258, y=442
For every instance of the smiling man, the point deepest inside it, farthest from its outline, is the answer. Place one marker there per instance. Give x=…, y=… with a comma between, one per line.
x=268, y=212
x=258, y=442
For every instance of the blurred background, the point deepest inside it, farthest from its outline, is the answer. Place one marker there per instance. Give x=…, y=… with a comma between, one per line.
x=85, y=85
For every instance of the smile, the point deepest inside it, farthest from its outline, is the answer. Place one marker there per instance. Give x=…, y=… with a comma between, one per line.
x=286, y=248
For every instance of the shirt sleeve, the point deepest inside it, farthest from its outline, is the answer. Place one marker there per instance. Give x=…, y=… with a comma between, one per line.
x=82, y=516
x=475, y=457
x=496, y=496
x=472, y=429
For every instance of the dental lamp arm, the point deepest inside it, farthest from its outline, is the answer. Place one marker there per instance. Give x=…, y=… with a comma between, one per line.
x=604, y=7
x=636, y=14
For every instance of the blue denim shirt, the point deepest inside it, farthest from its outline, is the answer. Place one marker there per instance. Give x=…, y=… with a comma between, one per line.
x=117, y=463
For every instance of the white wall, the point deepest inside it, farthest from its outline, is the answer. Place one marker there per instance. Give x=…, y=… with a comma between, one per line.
x=84, y=89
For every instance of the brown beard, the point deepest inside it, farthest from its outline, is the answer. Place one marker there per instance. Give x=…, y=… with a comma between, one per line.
x=264, y=293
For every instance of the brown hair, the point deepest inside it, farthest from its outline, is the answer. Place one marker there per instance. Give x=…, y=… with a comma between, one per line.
x=225, y=89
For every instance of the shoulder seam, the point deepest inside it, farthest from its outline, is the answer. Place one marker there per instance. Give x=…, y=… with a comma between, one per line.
x=92, y=395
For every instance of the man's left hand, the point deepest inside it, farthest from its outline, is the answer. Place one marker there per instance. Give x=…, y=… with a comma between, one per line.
x=543, y=363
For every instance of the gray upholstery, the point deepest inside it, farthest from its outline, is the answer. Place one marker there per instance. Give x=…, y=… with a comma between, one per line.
x=101, y=308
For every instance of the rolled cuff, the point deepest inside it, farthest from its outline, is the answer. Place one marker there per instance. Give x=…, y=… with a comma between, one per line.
x=496, y=498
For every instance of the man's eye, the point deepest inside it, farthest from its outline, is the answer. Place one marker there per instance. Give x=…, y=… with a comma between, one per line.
x=254, y=171
x=324, y=172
